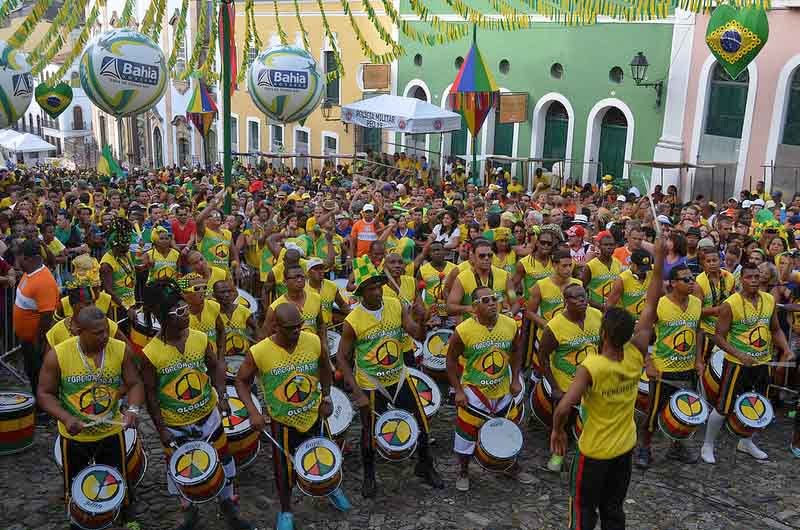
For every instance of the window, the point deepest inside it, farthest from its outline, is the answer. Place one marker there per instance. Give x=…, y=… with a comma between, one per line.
x=330, y=147
x=331, y=88
x=458, y=62
x=234, y=134
x=791, y=130
x=77, y=118
x=505, y=66
x=103, y=132
x=158, y=148
x=418, y=59
x=615, y=75
x=75, y=80
x=253, y=136
x=727, y=103
x=301, y=146
x=180, y=63
x=277, y=138
x=556, y=71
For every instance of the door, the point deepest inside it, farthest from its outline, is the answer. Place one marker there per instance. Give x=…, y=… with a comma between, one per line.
x=556, y=125
x=611, y=153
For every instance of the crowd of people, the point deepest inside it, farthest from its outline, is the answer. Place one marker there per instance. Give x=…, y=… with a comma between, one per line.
x=576, y=289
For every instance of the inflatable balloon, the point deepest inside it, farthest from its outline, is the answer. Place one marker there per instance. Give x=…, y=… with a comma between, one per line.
x=16, y=85
x=123, y=72
x=285, y=83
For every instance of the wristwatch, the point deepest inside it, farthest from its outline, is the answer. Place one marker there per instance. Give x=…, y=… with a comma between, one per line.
x=134, y=410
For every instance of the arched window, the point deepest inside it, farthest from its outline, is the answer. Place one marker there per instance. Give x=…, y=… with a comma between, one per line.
x=556, y=127
x=77, y=118
x=791, y=129
x=75, y=80
x=158, y=148
x=727, y=100
x=415, y=143
x=611, y=152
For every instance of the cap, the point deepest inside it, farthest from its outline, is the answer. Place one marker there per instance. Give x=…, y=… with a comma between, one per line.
x=621, y=198
x=580, y=219
x=601, y=235
x=576, y=231
x=368, y=208
x=313, y=262
x=634, y=191
x=693, y=231
x=758, y=202
x=706, y=242
x=770, y=204
x=734, y=199
x=747, y=204
x=777, y=194
x=664, y=220
x=642, y=259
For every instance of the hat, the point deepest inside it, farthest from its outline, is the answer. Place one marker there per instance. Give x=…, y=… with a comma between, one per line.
x=502, y=233
x=607, y=178
x=706, y=242
x=621, y=198
x=693, y=231
x=85, y=271
x=777, y=194
x=747, y=204
x=580, y=219
x=313, y=262
x=758, y=202
x=642, y=259
x=734, y=199
x=364, y=271
x=341, y=216
x=576, y=231
x=368, y=208
x=634, y=191
x=601, y=235
x=770, y=204
x=507, y=216
x=664, y=220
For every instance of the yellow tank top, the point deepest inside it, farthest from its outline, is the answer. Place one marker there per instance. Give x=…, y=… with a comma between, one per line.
x=185, y=394
x=408, y=290
x=207, y=322
x=164, y=267
x=123, y=277
x=236, y=339
x=487, y=355
x=676, y=339
x=609, y=429
x=750, y=331
x=496, y=281
x=378, y=346
x=634, y=292
x=508, y=263
x=103, y=303
x=575, y=344
x=290, y=380
x=714, y=295
x=216, y=275
x=327, y=295
x=60, y=331
x=434, y=297
x=311, y=308
x=87, y=391
x=216, y=247
x=602, y=279
x=535, y=270
x=552, y=296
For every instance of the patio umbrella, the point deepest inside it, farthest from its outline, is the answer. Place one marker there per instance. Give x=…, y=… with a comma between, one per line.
x=201, y=111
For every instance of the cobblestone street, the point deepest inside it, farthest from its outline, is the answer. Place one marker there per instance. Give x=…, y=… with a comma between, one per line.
x=737, y=493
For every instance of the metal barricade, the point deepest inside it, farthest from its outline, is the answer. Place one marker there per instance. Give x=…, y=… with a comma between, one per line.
x=10, y=343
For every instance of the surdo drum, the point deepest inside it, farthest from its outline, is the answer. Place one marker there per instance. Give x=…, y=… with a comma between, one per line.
x=96, y=497
x=434, y=353
x=499, y=444
x=541, y=402
x=396, y=434
x=318, y=467
x=428, y=391
x=712, y=376
x=197, y=472
x=243, y=442
x=16, y=421
x=342, y=416
x=751, y=413
x=232, y=364
x=135, y=456
x=685, y=412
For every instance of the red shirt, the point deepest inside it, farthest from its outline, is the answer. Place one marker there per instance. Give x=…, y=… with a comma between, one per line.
x=182, y=235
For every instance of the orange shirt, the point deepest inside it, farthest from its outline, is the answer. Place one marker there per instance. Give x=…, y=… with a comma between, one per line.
x=37, y=293
x=365, y=234
x=623, y=255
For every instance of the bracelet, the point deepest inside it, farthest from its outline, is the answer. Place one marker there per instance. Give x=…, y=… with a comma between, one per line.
x=327, y=399
x=134, y=410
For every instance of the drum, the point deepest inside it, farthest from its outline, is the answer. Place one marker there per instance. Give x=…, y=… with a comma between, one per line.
x=751, y=413
x=16, y=421
x=519, y=402
x=541, y=402
x=318, y=467
x=643, y=397
x=97, y=496
x=342, y=416
x=713, y=376
x=499, y=444
x=434, y=353
x=197, y=472
x=396, y=433
x=141, y=333
x=248, y=300
x=577, y=427
x=685, y=412
x=232, y=364
x=428, y=391
x=243, y=442
x=334, y=339
x=135, y=457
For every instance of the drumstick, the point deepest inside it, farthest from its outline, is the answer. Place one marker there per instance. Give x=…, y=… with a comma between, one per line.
x=655, y=217
x=279, y=446
x=784, y=364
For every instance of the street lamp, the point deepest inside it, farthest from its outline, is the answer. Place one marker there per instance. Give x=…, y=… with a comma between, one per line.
x=639, y=66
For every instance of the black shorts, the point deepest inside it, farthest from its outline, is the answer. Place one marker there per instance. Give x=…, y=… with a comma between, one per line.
x=661, y=391
x=76, y=456
x=736, y=379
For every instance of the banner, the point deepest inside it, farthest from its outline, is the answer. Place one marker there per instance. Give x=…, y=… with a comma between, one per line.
x=513, y=107
x=373, y=120
x=376, y=76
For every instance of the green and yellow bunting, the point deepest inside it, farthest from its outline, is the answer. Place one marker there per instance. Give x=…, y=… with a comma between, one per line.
x=80, y=44
x=180, y=35
x=17, y=40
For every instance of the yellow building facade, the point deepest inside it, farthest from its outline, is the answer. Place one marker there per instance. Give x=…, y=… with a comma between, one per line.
x=322, y=133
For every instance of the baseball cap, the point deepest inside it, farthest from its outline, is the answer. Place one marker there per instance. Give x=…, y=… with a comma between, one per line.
x=747, y=204
x=734, y=199
x=621, y=198
x=770, y=204
x=706, y=242
x=368, y=208
x=642, y=259
x=758, y=202
x=693, y=231
x=601, y=235
x=576, y=231
x=664, y=220
x=580, y=219
x=314, y=262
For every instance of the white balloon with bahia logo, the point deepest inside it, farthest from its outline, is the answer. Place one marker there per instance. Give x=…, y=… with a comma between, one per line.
x=285, y=83
x=16, y=85
x=123, y=72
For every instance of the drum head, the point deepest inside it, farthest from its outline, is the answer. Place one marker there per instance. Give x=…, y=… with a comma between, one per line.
x=716, y=362
x=753, y=410
x=232, y=364
x=131, y=435
x=239, y=420
x=434, y=350
x=317, y=460
x=98, y=489
x=342, y=415
x=193, y=463
x=501, y=438
x=689, y=408
x=428, y=391
x=247, y=300
x=141, y=322
x=57, y=452
x=396, y=430
x=15, y=401
x=334, y=339
x=644, y=383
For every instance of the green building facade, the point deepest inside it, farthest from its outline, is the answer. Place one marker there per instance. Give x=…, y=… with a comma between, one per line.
x=583, y=105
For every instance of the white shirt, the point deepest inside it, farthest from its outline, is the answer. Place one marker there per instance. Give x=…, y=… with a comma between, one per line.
x=446, y=239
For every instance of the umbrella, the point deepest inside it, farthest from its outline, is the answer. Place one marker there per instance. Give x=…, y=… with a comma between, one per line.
x=201, y=111
x=474, y=94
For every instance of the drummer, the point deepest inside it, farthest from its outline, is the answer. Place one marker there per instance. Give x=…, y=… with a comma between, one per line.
x=677, y=359
x=78, y=297
x=291, y=357
x=480, y=273
x=204, y=313
x=162, y=259
x=372, y=336
x=403, y=288
x=327, y=290
x=746, y=330
x=239, y=322
x=567, y=340
x=630, y=289
x=713, y=286
x=197, y=263
x=433, y=273
x=117, y=270
x=492, y=350
x=546, y=298
x=95, y=365
x=307, y=302
x=180, y=356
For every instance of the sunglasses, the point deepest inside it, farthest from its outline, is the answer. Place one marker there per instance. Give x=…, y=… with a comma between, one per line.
x=687, y=279
x=486, y=299
x=180, y=311
x=485, y=256
x=199, y=288
x=546, y=243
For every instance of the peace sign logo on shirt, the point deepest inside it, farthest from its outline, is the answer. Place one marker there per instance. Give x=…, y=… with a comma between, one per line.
x=683, y=341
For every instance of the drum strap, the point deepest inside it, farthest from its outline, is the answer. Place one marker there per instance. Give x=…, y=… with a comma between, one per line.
x=382, y=389
x=478, y=282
